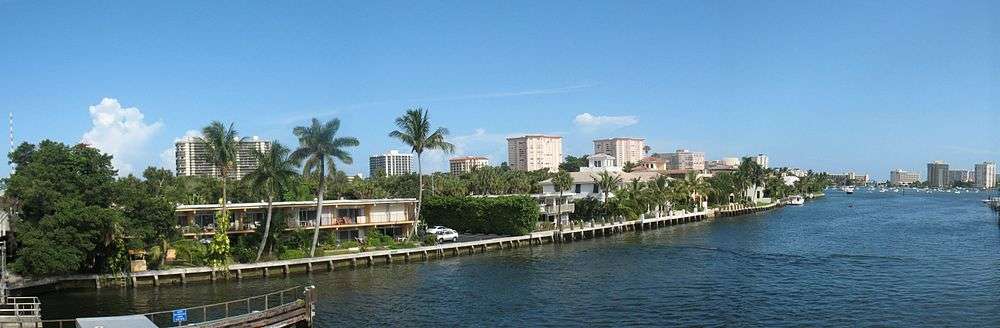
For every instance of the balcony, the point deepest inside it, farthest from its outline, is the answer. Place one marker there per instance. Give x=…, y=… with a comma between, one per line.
x=550, y=209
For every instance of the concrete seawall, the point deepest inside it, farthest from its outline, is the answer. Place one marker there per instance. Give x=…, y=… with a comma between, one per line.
x=334, y=262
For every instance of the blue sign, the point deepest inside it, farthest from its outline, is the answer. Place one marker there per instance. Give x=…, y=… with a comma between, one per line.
x=180, y=316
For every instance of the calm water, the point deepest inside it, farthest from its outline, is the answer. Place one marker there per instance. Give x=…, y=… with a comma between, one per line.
x=847, y=260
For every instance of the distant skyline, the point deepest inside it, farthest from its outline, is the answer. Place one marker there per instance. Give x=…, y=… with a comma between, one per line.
x=846, y=86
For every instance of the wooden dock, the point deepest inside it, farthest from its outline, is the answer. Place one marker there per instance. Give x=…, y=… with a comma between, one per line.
x=293, y=307
x=364, y=259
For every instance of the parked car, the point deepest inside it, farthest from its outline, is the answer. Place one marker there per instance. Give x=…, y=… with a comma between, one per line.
x=435, y=229
x=446, y=235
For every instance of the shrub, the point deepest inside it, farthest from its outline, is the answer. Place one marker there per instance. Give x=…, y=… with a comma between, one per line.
x=291, y=254
x=505, y=215
x=244, y=254
x=430, y=240
x=191, y=251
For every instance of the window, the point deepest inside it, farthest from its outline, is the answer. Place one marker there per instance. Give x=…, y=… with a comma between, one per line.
x=595, y=189
x=307, y=215
x=577, y=188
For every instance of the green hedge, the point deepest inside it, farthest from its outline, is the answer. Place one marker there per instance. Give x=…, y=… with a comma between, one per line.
x=505, y=215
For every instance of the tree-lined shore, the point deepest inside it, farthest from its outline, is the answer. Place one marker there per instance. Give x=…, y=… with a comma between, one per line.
x=74, y=214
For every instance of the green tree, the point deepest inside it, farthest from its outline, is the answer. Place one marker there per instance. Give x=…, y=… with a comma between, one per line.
x=75, y=238
x=221, y=145
x=149, y=215
x=629, y=167
x=562, y=181
x=573, y=163
x=607, y=183
x=414, y=130
x=319, y=146
x=274, y=172
x=53, y=171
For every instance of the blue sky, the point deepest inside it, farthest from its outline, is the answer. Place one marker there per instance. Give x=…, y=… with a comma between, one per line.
x=865, y=86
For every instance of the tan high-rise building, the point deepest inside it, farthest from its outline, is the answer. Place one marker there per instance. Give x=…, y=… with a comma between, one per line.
x=903, y=178
x=684, y=159
x=189, y=155
x=986, y=175
x=625, y=150
x=534, y=152
x=464, y=164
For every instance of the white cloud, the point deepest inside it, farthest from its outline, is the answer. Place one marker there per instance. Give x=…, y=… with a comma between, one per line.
x=168, y=159
x=120, y=132
x=589, y=122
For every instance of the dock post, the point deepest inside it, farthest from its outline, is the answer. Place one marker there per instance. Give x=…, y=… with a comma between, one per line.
x=329, y=265
x=97, y=282
x=354, y=262
x=309, y=267
x=239, y=274
x=156, y=280
x=371, y=260
x=183, y=278
x=284, y=270
x=388, y=258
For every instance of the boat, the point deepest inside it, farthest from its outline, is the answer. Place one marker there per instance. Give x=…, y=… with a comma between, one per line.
x=849, y=189
x=795, y=200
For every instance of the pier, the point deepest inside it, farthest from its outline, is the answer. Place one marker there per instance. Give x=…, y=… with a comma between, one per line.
x=364, y=259
x=293, y=307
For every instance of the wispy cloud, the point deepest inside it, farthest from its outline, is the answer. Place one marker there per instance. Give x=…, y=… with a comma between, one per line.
x=589, y=122
x=474, y=96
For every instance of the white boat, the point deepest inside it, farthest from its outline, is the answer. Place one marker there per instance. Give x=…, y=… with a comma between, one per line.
x=795, y=200
x=849, y=189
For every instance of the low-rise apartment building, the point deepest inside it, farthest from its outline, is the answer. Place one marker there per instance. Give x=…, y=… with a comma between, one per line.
x=348, y=219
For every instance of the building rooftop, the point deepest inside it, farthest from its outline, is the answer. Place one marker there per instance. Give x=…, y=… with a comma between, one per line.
x=462, y=158
x=535, y=136
x=621, y=138
x=332, y=202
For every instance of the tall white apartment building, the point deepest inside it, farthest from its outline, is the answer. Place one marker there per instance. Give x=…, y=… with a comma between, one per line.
x=761, y=160
x=534, y=152
x=903, y=178
x=624, y=150
x=189, y=156
x=986, y=175
x=391, y=163
x=459, y=165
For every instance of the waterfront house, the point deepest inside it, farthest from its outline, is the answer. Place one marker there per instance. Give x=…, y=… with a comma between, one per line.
x=348, y=219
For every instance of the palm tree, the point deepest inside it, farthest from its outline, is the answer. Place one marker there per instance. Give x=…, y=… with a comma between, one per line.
x=274, y=172
x=659, y=192
x=414, y=130
x=697, y=187
x=221, y=146
x=562, y=182
x=607, y=183
x=319, y=146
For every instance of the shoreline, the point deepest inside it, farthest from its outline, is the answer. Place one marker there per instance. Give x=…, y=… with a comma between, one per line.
x=366, y=259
